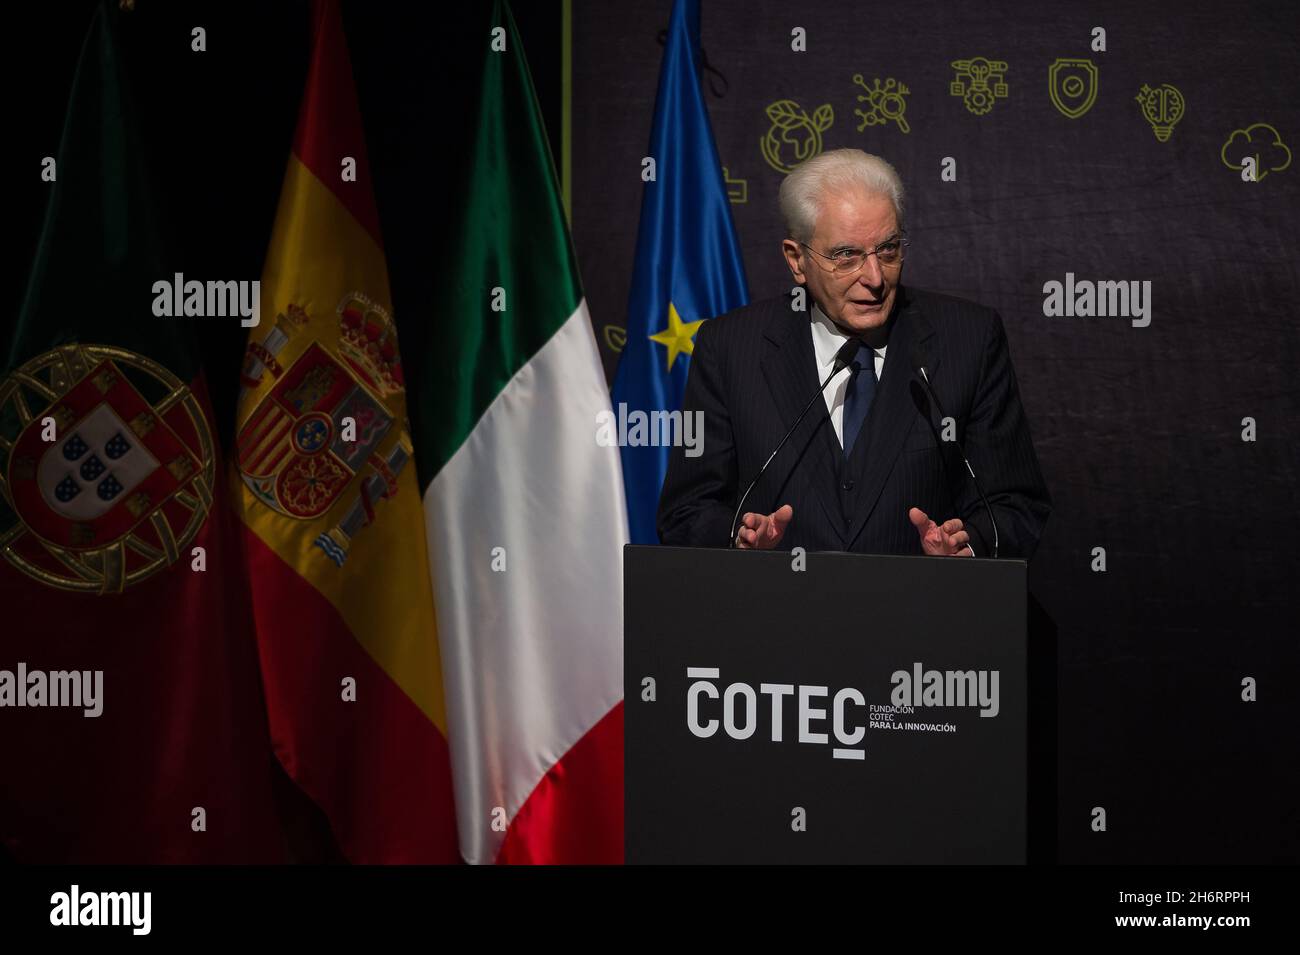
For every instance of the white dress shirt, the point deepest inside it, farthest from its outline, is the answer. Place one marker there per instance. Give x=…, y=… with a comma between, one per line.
x=827, y=341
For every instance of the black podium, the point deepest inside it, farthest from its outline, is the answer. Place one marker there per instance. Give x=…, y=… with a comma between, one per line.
x=823, y=707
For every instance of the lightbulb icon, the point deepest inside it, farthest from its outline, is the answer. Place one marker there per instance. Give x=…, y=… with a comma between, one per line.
x=1163, y=106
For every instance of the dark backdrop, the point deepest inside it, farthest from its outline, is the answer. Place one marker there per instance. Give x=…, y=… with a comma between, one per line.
x=1138, y=429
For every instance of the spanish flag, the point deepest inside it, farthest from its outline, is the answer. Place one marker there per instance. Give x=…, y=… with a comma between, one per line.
x=327, y=490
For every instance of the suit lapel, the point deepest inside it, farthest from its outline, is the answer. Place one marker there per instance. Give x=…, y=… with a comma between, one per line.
x=892, y=413
x=790, y=368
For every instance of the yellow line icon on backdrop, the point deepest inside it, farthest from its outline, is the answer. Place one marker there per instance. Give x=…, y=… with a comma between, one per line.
x=794, y=136
x=1163, y=106
x=885, y=103
x=1072, y=86
x=979, y=82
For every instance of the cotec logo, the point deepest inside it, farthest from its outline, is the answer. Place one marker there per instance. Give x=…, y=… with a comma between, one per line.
x=738, y=713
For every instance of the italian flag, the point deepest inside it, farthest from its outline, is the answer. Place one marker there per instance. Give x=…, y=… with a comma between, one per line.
x=525, y=514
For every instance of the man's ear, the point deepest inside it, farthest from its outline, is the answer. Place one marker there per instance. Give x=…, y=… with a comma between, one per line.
x=794, y=258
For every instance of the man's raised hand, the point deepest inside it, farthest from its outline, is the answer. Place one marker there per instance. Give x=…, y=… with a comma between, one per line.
x=940, y=540
x=763, y=531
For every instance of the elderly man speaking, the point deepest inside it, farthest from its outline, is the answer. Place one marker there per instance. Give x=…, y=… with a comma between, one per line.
x=916, y=444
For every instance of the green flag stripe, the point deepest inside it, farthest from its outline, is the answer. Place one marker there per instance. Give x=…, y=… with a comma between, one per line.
x=100, y=249
x=511, y=235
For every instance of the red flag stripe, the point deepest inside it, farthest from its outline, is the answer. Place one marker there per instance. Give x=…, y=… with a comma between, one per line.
x=574, y=816
x=329, y=123
x=379, y=751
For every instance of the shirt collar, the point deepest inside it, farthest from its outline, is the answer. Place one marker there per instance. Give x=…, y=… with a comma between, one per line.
x=827, y=338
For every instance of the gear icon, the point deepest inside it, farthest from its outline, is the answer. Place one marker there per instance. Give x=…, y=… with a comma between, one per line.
x=979, y=101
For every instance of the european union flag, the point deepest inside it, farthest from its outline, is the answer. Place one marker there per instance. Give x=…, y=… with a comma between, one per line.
x=688, y=267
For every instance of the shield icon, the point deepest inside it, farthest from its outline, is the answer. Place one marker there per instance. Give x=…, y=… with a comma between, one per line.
x=1072, y=85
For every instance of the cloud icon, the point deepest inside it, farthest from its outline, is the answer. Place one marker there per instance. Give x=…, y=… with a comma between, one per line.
x=1261, y=141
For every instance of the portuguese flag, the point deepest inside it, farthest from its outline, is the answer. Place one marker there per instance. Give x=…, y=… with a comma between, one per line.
x=327, y=490
x=525, y=510
x=133, y=723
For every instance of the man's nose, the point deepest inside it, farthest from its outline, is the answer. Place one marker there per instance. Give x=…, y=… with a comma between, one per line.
x=872, y=275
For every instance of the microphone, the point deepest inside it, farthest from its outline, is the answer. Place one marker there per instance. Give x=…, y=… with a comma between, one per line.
x=848, y=351
x=920, y=357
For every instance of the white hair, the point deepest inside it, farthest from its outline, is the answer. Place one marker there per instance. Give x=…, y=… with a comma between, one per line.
x=805, y=189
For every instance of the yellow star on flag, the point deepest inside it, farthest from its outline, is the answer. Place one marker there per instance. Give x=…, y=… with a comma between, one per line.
x=679, y=336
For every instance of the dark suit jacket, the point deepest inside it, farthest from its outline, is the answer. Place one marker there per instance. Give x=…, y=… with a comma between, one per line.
x=752, y=372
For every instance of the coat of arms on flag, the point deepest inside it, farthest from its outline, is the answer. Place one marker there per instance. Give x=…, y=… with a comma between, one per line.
x=110, y=474
x=325, y=430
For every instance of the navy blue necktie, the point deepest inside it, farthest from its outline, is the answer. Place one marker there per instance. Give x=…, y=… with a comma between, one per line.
x=857, y=399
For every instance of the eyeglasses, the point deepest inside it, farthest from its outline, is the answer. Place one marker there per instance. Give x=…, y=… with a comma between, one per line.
x=849, y=261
